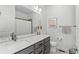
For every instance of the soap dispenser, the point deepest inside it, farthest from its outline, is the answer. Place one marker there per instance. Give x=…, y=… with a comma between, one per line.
x=39, y=29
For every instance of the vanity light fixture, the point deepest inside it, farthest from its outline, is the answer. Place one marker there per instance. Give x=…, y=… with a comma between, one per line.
x=40, y=9
x=37, y=9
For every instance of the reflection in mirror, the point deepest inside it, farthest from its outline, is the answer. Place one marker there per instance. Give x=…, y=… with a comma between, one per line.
x=23, y=27
x=24, y=24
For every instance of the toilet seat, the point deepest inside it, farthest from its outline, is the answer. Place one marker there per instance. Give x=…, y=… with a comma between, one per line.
x=53, y=44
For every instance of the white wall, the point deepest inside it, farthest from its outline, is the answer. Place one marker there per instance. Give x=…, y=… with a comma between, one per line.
x=77, y=28
x=43, y=20
x=65, y=17
x=37, y=18
x=7, y=20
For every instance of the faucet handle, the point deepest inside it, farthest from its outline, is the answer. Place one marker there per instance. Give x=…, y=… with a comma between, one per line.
x=13, y=36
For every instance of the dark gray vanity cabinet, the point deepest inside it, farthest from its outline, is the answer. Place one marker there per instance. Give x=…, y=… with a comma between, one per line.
x=27, y=50
x=47, y=47
x=41, y=47
x=39, y=50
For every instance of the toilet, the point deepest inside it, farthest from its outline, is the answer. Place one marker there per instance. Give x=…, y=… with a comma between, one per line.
x=53, y=48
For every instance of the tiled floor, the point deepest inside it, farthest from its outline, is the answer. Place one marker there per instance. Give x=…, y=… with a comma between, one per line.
x=56, y=51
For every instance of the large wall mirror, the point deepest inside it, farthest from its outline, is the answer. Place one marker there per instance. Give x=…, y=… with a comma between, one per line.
x=23, y=19
x=17, y=19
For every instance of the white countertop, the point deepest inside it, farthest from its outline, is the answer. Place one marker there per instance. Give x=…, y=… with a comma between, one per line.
x=12, y=47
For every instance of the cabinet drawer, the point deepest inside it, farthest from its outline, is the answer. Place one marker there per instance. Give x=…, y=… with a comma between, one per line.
x=46, y=39
x=39, y=50
x=26, y=50
x=39, y=44
x=47, y=47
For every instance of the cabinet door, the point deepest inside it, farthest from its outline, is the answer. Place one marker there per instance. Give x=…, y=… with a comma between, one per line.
x=46, y=39
x=39, y=44
x=39, y=50
x=26, y=50
x=47, y=47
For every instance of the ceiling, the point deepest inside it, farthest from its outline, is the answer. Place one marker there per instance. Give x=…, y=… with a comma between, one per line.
x=23, y=9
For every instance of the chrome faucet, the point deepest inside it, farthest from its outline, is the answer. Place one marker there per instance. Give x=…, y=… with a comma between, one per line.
x=13, y=36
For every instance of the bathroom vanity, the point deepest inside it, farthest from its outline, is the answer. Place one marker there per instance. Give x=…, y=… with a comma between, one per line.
x=42, y=46
x=37, y=44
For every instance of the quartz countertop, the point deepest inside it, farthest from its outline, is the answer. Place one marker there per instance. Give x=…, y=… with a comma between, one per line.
x=11, y=47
